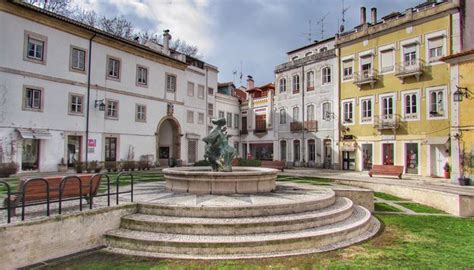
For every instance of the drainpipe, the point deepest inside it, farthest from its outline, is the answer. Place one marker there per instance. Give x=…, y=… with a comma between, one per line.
x=302, y=112
x=206, y=93
x=88, y=94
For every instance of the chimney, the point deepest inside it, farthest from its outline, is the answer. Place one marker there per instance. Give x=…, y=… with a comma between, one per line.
x=373, y=13
x=250, y=82
x=166, y=40
x=362, y=15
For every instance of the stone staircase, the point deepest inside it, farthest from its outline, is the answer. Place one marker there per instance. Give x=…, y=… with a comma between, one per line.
x=314, y=224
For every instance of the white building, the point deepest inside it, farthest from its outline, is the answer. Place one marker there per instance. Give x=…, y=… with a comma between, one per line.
x=57, y=74
x=228, y=107
x=306, y=100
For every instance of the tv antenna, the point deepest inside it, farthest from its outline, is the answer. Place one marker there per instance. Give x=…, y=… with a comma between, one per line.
x=344, y=10
x=321, y=23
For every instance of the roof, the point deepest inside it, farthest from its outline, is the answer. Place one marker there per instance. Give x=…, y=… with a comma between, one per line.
x=94, y=30
x=457, y=55
x=225, y=84
x=261, y=88
x=316, y=42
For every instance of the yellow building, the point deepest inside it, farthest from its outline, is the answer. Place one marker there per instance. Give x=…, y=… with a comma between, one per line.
x=462, y=129
x=394, y=90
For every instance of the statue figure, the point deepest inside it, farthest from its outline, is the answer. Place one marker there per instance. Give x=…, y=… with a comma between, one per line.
x=218, y=152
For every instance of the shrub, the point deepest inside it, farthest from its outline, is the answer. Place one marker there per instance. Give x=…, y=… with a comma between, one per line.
x=249, y=162
x=128, y=165
x=143, y=165
x=202, y=163
x=110, y=166
x=7, y=169
x=92, y=166
x=79, y=166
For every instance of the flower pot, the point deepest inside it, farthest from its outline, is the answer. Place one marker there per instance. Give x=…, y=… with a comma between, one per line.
x=464, y=181
x=447, y=174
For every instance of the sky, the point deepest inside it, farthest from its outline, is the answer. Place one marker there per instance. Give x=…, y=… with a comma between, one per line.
x=246, y=36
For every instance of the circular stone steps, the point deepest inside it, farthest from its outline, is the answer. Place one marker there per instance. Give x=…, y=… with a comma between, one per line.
x=340, y=210
x=290, y=221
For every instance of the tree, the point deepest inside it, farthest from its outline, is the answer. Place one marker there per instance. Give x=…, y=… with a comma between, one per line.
x=61, y=7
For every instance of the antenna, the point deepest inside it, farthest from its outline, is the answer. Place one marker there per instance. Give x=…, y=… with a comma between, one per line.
x=321, y=22
x=309, y=35
x=344, y=10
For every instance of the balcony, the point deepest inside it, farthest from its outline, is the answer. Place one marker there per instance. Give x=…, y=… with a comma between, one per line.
x=365, y=77
x=296, y=126
x=311, y=125
x=306, y=60
x=409, y=69
x=382, y=122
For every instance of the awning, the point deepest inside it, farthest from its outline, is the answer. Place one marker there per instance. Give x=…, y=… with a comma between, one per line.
x=436, y=140
x=347, y=146
x=39, y=134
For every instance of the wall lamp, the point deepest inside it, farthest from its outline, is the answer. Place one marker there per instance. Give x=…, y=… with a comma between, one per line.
x=100, y=103
x=460, y=93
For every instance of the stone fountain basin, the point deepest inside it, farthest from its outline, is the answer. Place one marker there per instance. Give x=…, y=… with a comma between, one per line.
x=202, y=180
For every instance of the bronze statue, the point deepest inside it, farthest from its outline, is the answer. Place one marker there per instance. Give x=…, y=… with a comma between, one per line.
x=218, y=152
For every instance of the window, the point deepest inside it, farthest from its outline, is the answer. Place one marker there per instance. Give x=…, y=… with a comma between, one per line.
x=326, y=73
x=296, y=149
x=170, y=83
x=366, y=110
x=296, y=84
x=237, y=148
x=140, y=113
x=296, y=114
x=387, y=60
x=348, y=112
x=310, y=113
x=210, y=91
x=282, y=116
x=347, y=67
x=409, y=55
x=435, y=48
x=76, y=104
x=323, y=49
x=201, y=91
x=410, y=106
x=387, y=104
x=190, y=117
x=236, y=120
x=192, y=151
x=210, y=109
x=282, y=85
x=311, y=150
x=366, y=66
x=282, y=150
x=221, y=114
x=294, y=58
x=327, y=111
x=260, y=122
x=436, y=103
x=201, y=118
x=244, y=123
x=34, y=48
x=112, y=109
x=110, y=149
x=142, y=76
x=33, y=99
x=190, y=89
x=310, y=80
x=229, y=119
x=308, y=53
x=78, y=59
x=113, y=68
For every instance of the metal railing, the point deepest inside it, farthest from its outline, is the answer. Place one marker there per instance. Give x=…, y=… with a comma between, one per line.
x=409, y=68
x=365, y=76
x=391, y=121
x=11, y=208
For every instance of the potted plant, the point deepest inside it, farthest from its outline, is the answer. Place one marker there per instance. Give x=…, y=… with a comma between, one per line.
x=79, y=167
x=62, y=167
x=98, y=168
x=7, y=169
x=464, y=168
x=447, y=170
x=110, y=166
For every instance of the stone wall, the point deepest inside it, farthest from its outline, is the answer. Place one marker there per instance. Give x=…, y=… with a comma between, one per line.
x=31, y=242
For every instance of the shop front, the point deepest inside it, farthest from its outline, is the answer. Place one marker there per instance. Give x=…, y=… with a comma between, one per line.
x=30, y=147
x=348, y=149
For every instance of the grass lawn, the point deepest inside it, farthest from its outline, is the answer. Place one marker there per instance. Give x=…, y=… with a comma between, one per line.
x=383, y=207
x=420, y=208
x=305, y=180
x=407, y=242
x=388, y=197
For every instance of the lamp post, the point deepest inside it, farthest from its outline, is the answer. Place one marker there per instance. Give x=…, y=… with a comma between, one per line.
x=460, y=93
x=99, y=103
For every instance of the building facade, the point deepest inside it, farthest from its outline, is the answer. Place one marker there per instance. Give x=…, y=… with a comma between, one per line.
x=72, y=93
x=395, y=92
x=307, y=103
x=228, y=107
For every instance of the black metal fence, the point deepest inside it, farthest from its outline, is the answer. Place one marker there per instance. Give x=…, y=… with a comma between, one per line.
x=21, y=202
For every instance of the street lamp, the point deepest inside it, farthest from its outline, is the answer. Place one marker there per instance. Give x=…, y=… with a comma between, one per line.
x=100, y=103
x=460, y=93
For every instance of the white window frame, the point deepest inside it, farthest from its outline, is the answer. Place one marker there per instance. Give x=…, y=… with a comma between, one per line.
x=171, y=85
x=295, y=119
x=418, y=105
x=313, y=115
x=347, y=59
x=362, y=120
x=41, y=99
x=37, y=37
x=116, y=109
x=71, y=60
x=326, y=115
x=221, y=114
x=140, y=115
x=405, y=43
x=310, y=85
x=236, y=120
x=210, y=109
x=295, y=84
x=190, y=90
x=200, y=118
x=282, y=85
x=394, y=105
x=189, y=117
x=368, y=53
x=283, y=119
x=200, y=90
x=113, y=77
x=343, y=119
x=139, y=81
x=429, y=90
x=389, y=47
x=228, y=119
x=326, y=78
x=438, y=34
x=70, y=103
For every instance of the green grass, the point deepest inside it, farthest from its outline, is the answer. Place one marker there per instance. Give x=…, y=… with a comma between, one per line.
x=420, y=208
x=407, y=242
x=305, y=180
x=388, y=197
x=383, y=207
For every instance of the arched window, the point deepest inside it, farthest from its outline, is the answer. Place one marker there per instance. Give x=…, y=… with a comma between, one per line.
x=323, y=49
x=296, y=114
x=326, y=73
x=282, y=85
x=326, y=111
x=311, y=150
x=282, y=116
x=296, y=150
x=282, y=150
x=294, y=58
x=310, y=113
x=296, y=84
x=308, y=53
x=310, y=80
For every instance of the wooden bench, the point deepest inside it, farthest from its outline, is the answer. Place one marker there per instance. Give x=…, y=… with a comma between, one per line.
x=391, y=170
x=36, y=190
x=274, y=164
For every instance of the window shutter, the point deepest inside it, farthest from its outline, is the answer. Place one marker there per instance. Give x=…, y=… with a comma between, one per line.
x=435, y=42
x=409, y=48
x=365, y=60
x=347, y=64
x=387, y=60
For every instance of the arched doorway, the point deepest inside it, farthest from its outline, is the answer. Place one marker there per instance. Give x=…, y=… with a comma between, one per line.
x=168, y=140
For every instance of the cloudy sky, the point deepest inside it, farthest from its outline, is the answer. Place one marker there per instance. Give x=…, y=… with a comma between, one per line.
x=256, y=33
